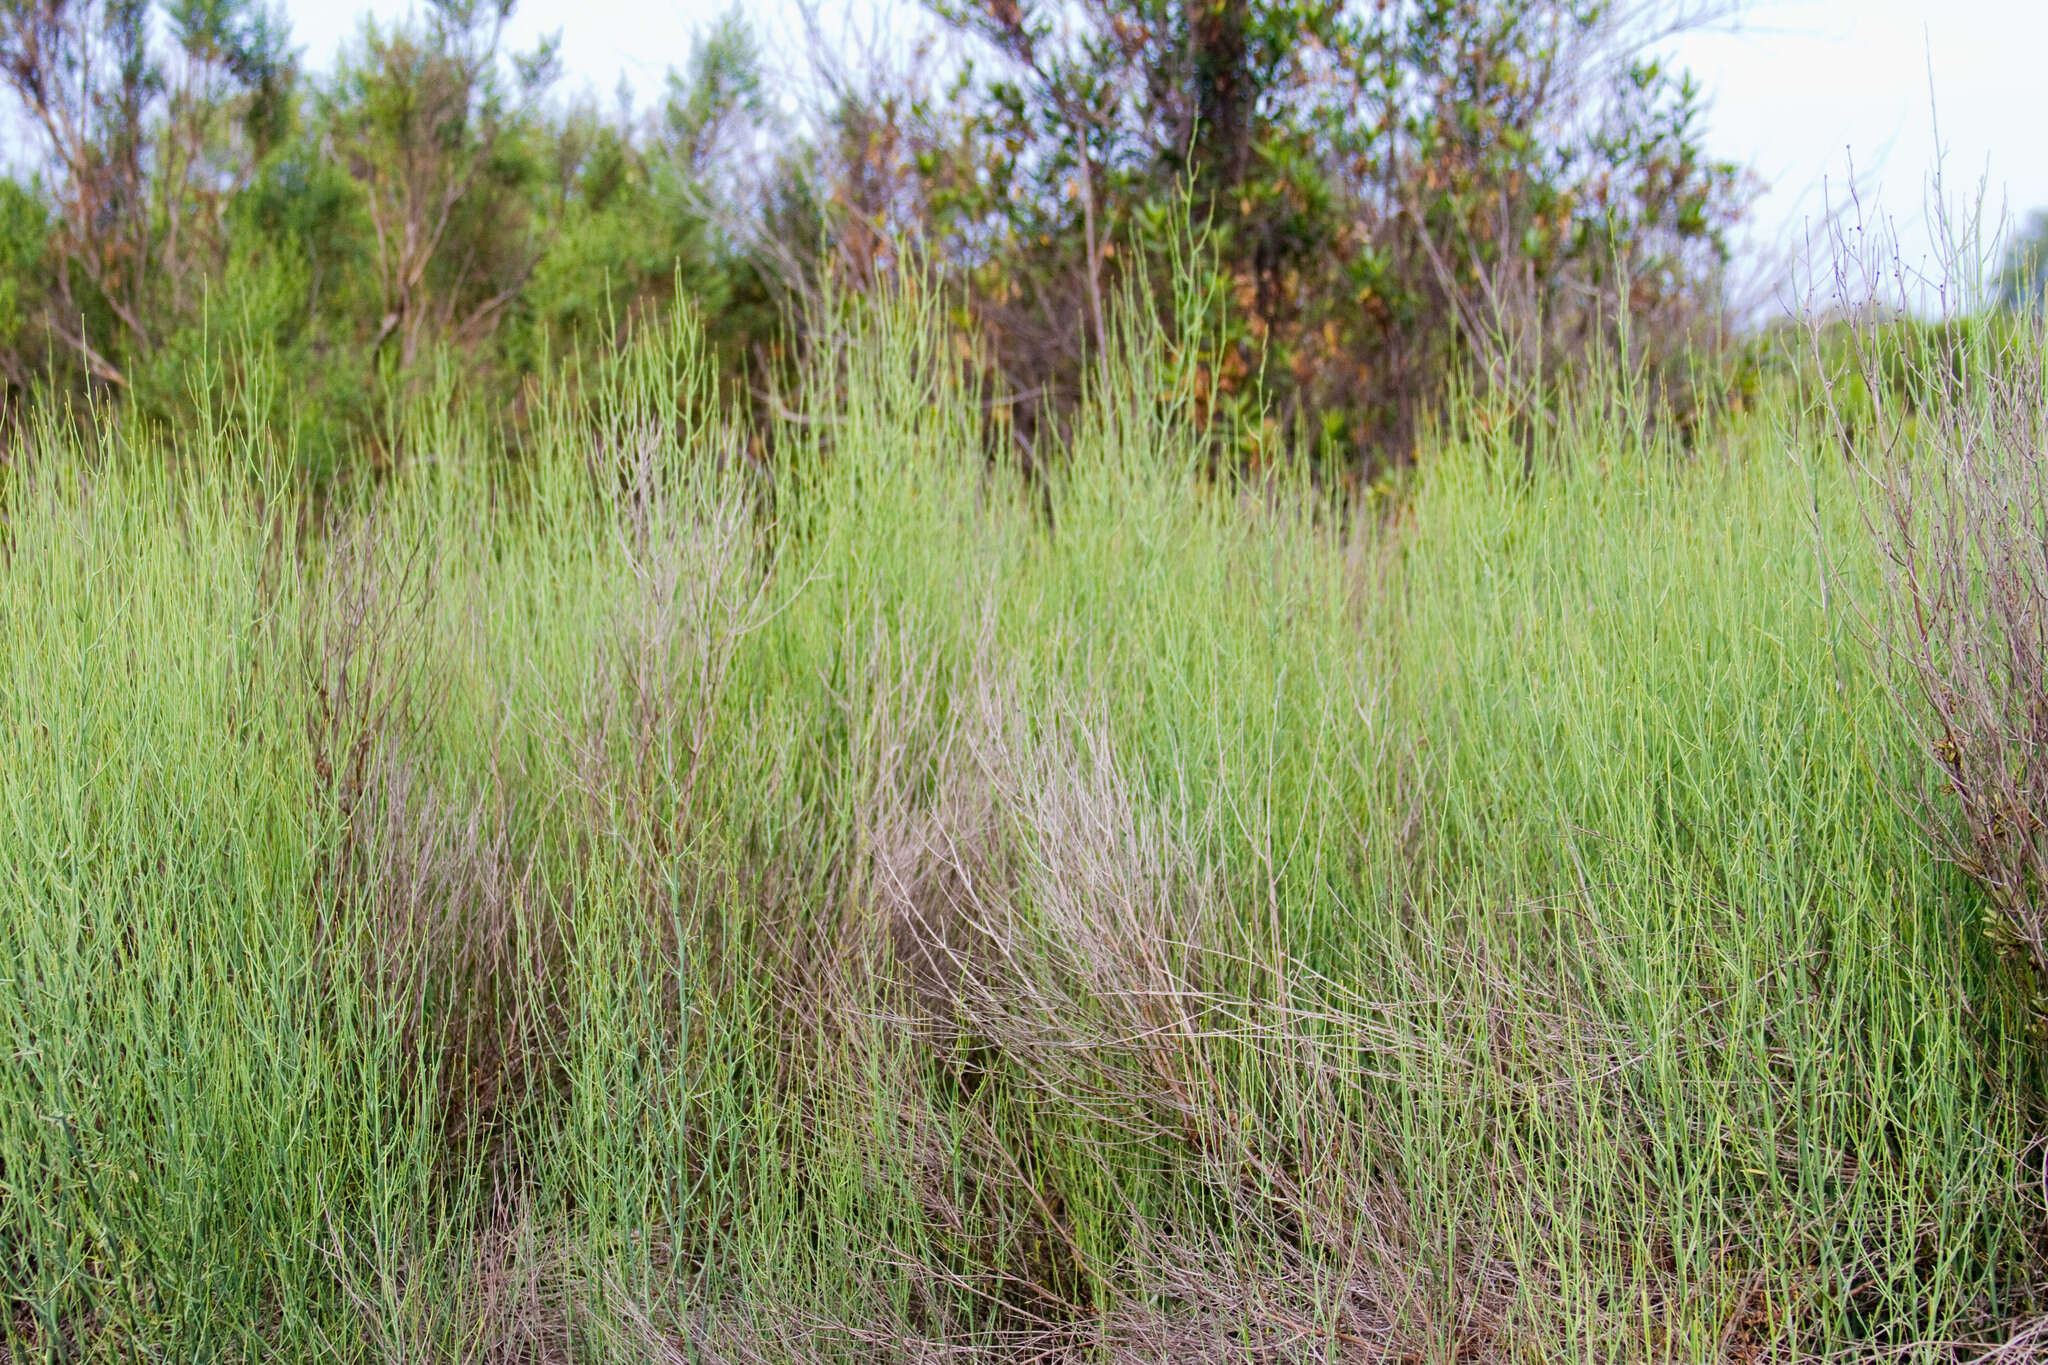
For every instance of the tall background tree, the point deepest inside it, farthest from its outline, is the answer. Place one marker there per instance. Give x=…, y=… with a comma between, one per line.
x=2022, y=279
x=1391, y=188
x=141, y=150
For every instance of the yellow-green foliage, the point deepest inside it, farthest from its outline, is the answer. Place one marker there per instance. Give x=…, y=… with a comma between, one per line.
x=634, y=904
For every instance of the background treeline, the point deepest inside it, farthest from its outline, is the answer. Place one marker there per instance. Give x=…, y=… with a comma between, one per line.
x=1386, y=194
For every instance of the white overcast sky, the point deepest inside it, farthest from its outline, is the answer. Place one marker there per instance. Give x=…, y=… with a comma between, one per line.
x=1800, y=90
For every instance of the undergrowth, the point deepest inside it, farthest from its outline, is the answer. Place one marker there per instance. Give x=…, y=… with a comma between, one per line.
x=635, y=903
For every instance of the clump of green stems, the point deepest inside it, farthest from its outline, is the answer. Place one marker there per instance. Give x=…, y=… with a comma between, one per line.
x=632, y=903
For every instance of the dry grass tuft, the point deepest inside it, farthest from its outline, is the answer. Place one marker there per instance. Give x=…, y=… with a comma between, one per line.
x=1957, y=440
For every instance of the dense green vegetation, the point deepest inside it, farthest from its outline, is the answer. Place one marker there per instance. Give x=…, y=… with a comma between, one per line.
x=1157, y=693
x=1390, y=192
x=629, y=901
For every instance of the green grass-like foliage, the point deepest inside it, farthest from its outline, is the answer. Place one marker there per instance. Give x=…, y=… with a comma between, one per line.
x=627, y=904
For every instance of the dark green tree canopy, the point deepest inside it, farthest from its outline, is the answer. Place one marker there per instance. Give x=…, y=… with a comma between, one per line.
x=1385, y=194
x=1387, y=186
